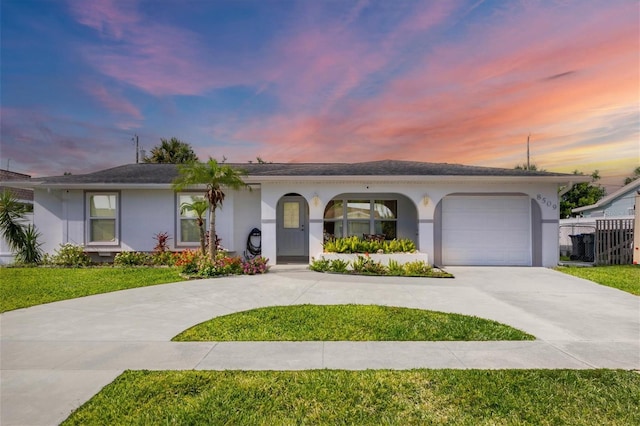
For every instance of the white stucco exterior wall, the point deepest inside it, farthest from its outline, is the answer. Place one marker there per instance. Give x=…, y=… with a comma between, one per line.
x=60, y=214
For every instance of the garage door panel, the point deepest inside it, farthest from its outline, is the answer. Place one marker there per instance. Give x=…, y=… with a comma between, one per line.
x=491, y=230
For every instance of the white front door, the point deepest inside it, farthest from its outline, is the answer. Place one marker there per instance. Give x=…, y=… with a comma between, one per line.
x=293, y=225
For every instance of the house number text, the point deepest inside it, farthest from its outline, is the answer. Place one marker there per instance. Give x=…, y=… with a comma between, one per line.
x=543, y=200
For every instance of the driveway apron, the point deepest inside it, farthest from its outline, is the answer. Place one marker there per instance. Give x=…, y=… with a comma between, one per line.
x=55, y=357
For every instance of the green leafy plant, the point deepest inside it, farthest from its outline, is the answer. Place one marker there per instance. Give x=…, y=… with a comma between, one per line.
x=366, y=265
x=417, y=268
x=339, y=266
x=23, y=240
x=355, y=244
x=395, y=268
x=131, y=258
x=69, y=255
x=319, y=265
x=30, y=252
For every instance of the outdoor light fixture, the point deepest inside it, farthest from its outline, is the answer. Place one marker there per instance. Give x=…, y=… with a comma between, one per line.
x=316, y=199
x=425, y=199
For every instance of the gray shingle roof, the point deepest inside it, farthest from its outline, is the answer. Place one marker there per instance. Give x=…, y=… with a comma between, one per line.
x=165, y=173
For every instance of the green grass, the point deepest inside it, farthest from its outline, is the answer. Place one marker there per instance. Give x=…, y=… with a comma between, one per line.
x=622, y=277
x=372, y=397
x=24, y=287
x=347, y=322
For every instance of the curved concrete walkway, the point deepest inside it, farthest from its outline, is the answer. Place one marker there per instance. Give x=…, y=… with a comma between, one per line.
x=54, y=357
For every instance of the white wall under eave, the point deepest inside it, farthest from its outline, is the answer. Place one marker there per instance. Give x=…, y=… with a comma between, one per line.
x=47, y=218
x=246, y=216
x=143, y=214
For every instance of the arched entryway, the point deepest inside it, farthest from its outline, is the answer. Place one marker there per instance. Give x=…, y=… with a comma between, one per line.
x=292, y=229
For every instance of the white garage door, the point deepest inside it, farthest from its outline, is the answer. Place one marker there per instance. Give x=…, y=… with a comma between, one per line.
x=486, y=230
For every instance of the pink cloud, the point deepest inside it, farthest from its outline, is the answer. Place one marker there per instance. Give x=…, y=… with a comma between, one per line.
x=112, y=18
x=156, y=58
x=541, y=71
x=114, y=101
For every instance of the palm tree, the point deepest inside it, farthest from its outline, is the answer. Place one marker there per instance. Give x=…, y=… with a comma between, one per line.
x=199, y=207
x=215, y=176
x=20, y=239
x=11, y=214
x=172, y=151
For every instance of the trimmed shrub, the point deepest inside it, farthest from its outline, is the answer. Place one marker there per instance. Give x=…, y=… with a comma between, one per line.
x=131, y=258
x=69, y=255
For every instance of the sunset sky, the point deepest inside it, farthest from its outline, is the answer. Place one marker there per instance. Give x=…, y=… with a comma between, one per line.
x=322, y=81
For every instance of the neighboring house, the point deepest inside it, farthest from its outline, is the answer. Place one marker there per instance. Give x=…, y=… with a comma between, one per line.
x=458, y=215
x=620, y=203
x=24, y=195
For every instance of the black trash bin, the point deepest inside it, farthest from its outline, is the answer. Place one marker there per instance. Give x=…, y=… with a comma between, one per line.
x=589, y=247
x=577, y=247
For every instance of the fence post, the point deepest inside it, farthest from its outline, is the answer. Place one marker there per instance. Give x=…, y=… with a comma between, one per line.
x=636, y=230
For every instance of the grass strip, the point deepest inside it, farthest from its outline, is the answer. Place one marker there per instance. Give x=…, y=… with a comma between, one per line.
x=622, y=277
x=371, y=397
x=348, y=322
x=24, y=287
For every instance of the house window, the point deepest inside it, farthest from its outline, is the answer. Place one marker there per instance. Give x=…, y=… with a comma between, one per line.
x=385, y=217
x=189, y=207
x=102, y=214
x=291, y=214
x=333, y=219
x=359, y=217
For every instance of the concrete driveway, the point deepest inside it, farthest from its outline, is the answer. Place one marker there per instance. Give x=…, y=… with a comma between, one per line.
x=54, y=357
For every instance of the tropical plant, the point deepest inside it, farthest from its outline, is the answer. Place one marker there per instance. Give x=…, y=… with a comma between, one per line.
x=355, y=244
x=215, y=176
x=339, y=266
x=319, y=265
x=11, y=214
x=199, y=207
x=30, y=252
x=23, y=241
x=172, y=151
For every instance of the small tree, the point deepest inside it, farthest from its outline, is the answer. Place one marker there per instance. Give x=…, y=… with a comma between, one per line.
x=199, y=207
x=215, y=176
x=582, y=194
x=172, y=151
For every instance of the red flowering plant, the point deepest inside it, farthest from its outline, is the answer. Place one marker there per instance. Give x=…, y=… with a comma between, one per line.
x=257, y=265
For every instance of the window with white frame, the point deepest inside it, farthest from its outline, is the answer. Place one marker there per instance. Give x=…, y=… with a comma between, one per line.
x=192, y=210
x=361, y=217
x=102, y=218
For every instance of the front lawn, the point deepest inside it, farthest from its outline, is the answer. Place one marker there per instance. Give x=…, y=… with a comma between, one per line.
x=622, y=277
x=24, y=287
x=348, y=322
x=371, y=397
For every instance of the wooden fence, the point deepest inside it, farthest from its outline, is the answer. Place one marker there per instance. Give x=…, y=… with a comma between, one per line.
x=614, y=242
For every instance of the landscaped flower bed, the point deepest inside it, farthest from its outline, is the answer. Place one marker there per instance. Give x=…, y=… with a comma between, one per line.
x=375, y=257
x=365, y=265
